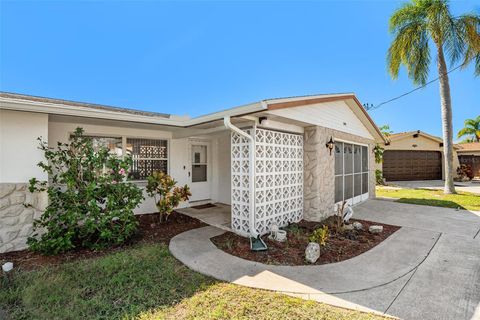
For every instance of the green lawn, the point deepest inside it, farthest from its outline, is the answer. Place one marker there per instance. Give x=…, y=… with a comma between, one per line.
x=147, y=282
x=462, y=200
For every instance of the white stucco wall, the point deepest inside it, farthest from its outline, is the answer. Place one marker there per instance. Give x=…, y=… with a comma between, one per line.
x=221, y=189
x=19, y=153
x=335, y=115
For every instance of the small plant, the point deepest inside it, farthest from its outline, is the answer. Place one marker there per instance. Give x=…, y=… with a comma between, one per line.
x=320, y=236
x=167, y=195
x=379, y=177
x=378, y=152
x=338, y=217
x=295, y=231
x=465, y=172
x=90, y=202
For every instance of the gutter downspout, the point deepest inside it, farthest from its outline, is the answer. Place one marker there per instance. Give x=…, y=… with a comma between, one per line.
x=251, y=193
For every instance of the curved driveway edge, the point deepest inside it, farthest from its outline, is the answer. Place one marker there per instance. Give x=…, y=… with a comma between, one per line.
x=392, y=259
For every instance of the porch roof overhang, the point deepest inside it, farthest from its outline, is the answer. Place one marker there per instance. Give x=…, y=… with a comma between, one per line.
x=18, y=102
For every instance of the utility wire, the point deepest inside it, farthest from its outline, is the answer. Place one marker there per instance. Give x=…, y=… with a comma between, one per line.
x=372, y=107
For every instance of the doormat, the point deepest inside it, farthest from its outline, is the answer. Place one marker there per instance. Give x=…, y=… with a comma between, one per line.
x=204, y=206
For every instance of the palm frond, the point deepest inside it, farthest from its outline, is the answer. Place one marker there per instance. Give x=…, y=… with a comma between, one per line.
x=410, y=48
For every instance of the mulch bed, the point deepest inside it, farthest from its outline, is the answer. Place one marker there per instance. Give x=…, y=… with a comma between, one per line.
x=341, y=246
x=149, y=231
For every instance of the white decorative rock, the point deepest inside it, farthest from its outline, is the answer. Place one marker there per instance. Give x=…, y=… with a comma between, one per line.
x=375, y=229
x=312, y=252
x=7, y=267
x=348, y=227
x=357, y=225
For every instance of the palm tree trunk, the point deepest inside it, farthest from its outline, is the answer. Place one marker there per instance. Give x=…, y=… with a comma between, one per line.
x=447, y=128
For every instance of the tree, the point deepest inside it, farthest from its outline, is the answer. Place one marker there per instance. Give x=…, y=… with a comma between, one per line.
x=471, y=130
x=417, y=24
x=385, y=130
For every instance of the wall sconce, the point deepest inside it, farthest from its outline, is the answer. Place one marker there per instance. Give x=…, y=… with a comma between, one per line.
x=330, y=144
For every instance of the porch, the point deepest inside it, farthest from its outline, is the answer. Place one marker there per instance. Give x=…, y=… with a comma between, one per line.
x=215, y=214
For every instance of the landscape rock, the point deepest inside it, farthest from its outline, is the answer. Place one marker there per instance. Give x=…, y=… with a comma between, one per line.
x=357, y=225
x=312, y=252
x=375, y=229
x=348, y=227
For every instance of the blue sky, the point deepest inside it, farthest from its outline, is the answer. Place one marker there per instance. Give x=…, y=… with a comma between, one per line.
x=200, y=57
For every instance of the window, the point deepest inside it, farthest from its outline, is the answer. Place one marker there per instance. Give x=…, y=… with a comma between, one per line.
x=113, y=144
x=351, y=172
x=148, y=155
x=199, y=163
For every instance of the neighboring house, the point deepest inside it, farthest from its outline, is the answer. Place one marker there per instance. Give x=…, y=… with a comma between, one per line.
x=415, y=155
x=269, y=159
x=469, y=153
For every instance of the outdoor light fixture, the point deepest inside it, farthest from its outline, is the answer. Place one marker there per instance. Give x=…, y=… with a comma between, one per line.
x=330, y=144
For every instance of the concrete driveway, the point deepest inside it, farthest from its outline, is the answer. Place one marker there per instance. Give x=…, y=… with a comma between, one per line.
x=429, y=269
x=446, y=285
x=473, y=187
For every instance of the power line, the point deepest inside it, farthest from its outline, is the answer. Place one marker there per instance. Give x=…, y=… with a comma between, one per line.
x=369, y=107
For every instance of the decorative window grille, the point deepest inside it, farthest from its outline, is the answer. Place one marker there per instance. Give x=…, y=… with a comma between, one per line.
x=278, y=182
x=148, y=155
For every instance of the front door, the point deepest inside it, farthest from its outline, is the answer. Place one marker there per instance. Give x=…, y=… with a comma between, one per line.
x=200, y=181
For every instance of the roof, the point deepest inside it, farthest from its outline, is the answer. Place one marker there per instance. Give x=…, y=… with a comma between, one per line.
x=401, y=135
x=21, y=102
x=81, y=104
x=470, y=146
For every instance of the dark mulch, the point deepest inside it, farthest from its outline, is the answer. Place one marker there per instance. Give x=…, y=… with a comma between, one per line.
x=149, y=231
x=340, y=246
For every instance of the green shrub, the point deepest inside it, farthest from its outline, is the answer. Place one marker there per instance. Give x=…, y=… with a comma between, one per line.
x=90, y=203
x=378, y=152
x=167, y=196
x=379, y=177
x=320, y=236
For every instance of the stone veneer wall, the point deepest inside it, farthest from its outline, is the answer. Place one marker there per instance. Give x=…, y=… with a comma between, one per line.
x=319, y=171
x=16, y=219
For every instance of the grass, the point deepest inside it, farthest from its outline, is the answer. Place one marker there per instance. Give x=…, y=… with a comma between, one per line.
x=462, y=200
x=228, y=301
x=146, y=282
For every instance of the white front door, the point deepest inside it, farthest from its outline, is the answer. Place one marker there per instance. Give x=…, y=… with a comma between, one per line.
x=200, y=180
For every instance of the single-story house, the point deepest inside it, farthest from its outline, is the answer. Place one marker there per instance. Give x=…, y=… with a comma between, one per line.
x=414, y=155
x=469, y=153
x=269, y=160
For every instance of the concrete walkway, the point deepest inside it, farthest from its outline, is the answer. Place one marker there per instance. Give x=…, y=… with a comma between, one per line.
x=429, y=269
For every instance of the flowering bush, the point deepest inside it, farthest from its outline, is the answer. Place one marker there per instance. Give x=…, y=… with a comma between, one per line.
x=167, y=196
x=465, y=172
x=90, y=202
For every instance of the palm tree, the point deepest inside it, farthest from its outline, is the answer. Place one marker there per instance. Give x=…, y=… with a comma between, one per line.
x=471, y=129
x=415, y=26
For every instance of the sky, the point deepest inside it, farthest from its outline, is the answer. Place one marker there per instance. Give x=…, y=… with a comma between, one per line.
x=199, y=57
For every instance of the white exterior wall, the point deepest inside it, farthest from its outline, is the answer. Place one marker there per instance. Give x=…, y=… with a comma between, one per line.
x=19, y=153
x=335, y=115
x=221, y=189
x=177, y=154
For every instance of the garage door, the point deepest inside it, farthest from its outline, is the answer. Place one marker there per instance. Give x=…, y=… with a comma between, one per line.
x=412, y=165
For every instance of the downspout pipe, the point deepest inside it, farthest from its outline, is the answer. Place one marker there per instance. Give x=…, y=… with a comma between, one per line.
x=251, y=174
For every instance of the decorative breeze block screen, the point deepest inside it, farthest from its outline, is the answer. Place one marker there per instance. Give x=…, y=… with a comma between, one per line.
x=278, y=180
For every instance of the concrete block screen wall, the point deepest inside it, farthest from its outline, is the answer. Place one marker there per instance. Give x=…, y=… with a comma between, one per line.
x=278, y=180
